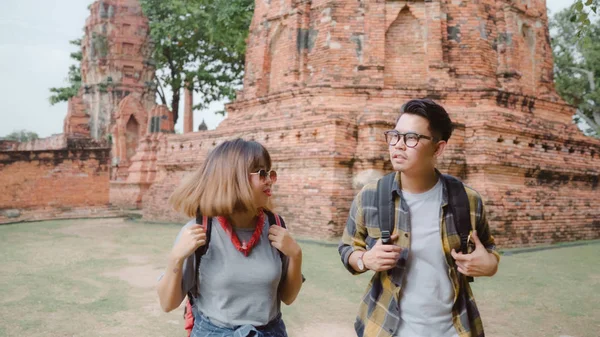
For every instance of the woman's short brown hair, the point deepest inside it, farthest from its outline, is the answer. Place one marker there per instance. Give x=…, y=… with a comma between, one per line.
x=222, y=185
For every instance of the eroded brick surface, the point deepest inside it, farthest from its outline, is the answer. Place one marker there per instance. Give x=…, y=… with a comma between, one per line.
x=324, y=79
x=54, y=179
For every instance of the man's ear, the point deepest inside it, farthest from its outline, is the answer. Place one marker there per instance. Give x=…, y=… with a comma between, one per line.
x=439, y=148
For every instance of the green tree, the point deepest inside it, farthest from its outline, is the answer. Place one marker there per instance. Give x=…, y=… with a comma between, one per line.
x=73, y=78
x=580, y=13
x=199, y=44
x=22, y=136
x=577, y=65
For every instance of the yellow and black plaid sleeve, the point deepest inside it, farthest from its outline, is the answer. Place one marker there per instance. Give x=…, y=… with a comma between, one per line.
x=355, y=233
x=478, y=213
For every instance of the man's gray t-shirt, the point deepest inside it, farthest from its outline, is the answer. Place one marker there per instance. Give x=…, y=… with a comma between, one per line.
x=235, y=289
x=427, y=294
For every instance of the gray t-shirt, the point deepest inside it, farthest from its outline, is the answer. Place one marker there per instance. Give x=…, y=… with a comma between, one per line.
x=427, y=294
x=235, y=289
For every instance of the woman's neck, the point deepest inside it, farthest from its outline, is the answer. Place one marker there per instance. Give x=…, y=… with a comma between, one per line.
x=242, y=220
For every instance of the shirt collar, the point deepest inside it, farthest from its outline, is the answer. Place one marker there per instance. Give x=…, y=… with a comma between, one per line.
x=397, y=188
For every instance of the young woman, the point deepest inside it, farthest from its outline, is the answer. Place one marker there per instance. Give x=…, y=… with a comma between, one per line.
x=250, y=266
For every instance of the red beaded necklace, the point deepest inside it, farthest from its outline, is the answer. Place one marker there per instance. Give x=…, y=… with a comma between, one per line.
x=244, y=247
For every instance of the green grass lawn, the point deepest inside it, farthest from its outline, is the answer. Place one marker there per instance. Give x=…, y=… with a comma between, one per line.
x=97, y=277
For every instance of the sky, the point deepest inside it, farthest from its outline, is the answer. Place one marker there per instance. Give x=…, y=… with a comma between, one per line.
x=34, y=56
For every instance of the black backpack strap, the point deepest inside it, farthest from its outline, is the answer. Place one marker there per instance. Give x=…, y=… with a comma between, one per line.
x=458, y=204
x=207, y=225
x=385, y=202
x=275, y=219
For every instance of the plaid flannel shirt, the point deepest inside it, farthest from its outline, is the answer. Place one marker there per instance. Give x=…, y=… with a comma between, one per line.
x=379, y=311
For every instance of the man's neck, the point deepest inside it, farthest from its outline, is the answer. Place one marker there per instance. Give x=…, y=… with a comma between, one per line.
x=418, y=182
x=242, y=220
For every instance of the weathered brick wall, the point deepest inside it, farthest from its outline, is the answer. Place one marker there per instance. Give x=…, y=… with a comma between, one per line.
x=53, y=142
x=539, y=187
x=140, y=174
x=324, y=79
x=53, y=213
x=53, y=180
x=310, y=154
x=325, y=142
x=57, y=142
x=8, y=145
x=127, y=195
x=115, y=64
x=77, y=121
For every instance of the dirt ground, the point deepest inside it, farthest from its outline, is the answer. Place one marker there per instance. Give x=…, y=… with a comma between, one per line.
x=97, y=278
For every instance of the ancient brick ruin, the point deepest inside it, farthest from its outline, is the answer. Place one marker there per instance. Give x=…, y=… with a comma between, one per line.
x=113, y=115
x=117, y=73
x=59, y=183
x=324, y=79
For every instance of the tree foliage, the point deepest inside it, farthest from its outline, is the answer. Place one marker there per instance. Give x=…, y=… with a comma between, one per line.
x=199, y=44
x=581, y=12
x=62, y=94
x=22, y=136
x=577, y=65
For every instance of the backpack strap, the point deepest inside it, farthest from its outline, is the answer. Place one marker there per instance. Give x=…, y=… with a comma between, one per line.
x=275, y=219
x=207, y=225
x=206, y=222
x=385, y=202
x=458, y=204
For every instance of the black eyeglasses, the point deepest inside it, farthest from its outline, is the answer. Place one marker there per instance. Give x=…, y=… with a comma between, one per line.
x=263, y=174
x=411, y=139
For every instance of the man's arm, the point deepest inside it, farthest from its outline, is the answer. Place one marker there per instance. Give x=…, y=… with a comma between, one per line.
x=352, y=246
x=484, y=260
x=352, y=243
x=483, y=231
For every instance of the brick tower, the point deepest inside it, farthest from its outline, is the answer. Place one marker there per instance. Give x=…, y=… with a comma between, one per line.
x=324, y=79
x=117, y=75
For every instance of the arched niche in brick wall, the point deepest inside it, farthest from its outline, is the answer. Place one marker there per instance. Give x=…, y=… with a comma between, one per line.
x=130, y=124
x=526, y=49
x=277, y=58
x=524, y=53
x=406, y=61
x=132, y=133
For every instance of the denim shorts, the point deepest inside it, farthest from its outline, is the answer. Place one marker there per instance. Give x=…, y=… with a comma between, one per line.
x=203, y=327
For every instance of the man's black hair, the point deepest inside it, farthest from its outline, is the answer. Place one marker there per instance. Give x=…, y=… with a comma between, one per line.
x=440, y=124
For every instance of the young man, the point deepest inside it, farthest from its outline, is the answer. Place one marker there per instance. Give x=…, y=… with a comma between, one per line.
x=420, y=286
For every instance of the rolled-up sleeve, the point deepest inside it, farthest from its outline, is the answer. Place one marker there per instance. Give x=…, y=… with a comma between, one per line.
x=483, y=230
x=354, y=235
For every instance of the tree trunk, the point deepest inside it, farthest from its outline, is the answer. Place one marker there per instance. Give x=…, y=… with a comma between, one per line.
x=589, y=121
x=161, y=93
x=175, y=104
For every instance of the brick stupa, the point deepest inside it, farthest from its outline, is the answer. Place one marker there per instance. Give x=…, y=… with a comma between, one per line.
x=117, y=99
x=324, y=79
